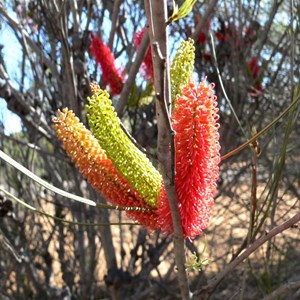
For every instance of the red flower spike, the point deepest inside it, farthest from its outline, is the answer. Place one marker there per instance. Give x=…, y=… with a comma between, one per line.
x=147, y=65
x=105, y=58
x=197, y=158
x=99, y=170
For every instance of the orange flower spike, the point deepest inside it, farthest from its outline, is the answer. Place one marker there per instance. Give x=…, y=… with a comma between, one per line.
x=94, y=164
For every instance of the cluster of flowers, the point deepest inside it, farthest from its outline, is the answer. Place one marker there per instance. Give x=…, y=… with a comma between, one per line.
x=125, y=176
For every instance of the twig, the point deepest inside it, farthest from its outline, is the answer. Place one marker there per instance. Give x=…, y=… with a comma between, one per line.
x=69, y=90
x=132, y=73
x=263, y=131
x=284, y=289
x=17, y=27
x=223, y=88
x=114, y=22
x=201, y=24
x=268, y=25
x=14, y=95
x=214, y=282
x=34, y=147
x=75, y=14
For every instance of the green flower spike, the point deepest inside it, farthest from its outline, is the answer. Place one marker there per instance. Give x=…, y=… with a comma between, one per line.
x=182, y=67
x=126, y=157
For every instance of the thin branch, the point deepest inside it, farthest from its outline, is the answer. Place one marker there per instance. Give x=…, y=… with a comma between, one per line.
x=283, y=290
x=214, y=282
x=21, y=108
x=270, y=23
x=114, y=22
x=132, y=73
x=204, y=19
x=34, y=147
x=263, y=131
x=75, y=14
x=38, y=50
x=70, y=86
x=223, y=88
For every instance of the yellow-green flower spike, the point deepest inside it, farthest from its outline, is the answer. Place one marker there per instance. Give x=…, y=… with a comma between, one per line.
x=126, y=157
x=182, y=67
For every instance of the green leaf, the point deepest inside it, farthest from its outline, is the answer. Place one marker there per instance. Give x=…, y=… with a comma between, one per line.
x=17, y=200
x=58, y=191
x=14, y=198
x=183, y=10
x=44, y=183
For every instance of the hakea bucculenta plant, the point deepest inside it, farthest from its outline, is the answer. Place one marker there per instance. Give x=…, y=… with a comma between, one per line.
x=99, y=170
x=124, y=175
x=194, y=120
x=105, y=58
x=182, y=67
x=126, y=157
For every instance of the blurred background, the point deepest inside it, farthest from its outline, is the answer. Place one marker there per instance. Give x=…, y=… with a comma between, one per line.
x=249, y=49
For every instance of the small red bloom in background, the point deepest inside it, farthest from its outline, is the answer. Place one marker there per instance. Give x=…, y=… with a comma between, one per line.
x=147, y=65
x=254, y=68
x=197, y=159
x=202, y=38
x=222, y=34
x=207, y=57
x=222, y=37
x=105, y=58
x=228, y=33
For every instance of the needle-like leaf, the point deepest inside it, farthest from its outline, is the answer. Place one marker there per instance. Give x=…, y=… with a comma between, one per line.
x=14, y=198
x=42, y=182
x=183, y=10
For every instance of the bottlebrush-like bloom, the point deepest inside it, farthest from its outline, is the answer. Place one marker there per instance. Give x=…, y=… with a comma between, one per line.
x=126, y=157
x=147, y=65
x=105, y=58
x=99, y=170
x=194, y=120
x=182, y=67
